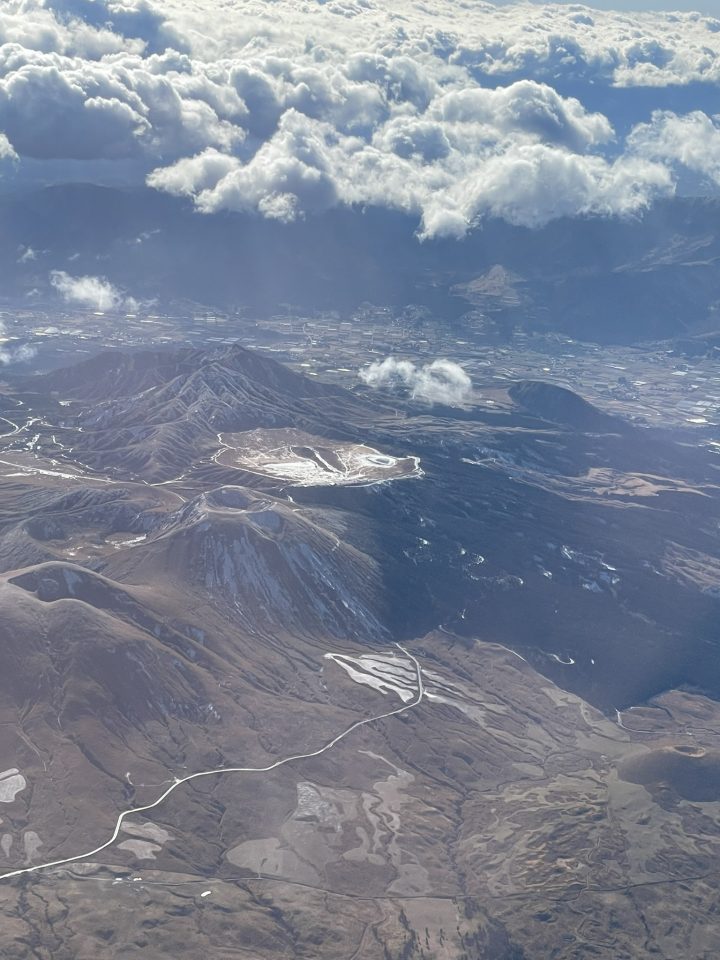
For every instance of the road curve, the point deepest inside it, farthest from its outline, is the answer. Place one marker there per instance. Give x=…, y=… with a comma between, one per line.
x=211, y=773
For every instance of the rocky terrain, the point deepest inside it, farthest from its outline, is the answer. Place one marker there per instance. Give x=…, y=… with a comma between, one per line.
x=459, y=665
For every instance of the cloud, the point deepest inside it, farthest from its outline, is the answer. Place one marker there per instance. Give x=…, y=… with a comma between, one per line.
x=450, y=175
x=7, y=151
x=58, y=107
x=298, y=170
x=130, y=19
x=26, y=255
x=14, y=354
x=449, y=111
x=441, y=381
x=21, y=354
x=525, y=107
x=692, y=140
x=95, y=293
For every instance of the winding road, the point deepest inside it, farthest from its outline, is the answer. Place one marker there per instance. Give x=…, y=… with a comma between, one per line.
x=178, y=782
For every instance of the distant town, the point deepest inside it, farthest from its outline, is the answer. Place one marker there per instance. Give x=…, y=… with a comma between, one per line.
x=656, y=384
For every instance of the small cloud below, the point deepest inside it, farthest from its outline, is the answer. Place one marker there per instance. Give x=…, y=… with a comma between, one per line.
x=7, y=151
x=441, y=381
x=26, y=255
x=18, y=353
x=95, y=293
x=21, y=354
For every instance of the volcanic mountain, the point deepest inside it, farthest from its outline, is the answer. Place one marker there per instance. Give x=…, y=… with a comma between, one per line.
x=326, y=689
x=509, y=517
x=151, y=414
x=560, y=405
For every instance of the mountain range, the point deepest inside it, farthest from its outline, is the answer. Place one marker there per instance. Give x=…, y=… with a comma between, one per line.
x=175, y=602
x=649, y=277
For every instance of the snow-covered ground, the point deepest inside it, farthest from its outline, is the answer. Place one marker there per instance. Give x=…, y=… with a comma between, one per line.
x=12, y=782
x=384, y=672
x=389, y=673
x=309, y=461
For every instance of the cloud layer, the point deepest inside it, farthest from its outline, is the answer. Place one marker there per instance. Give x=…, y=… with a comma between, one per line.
x=441, y=381
x=449, y=111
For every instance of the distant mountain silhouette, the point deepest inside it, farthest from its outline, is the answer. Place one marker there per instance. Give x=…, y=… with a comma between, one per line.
x=608, y=280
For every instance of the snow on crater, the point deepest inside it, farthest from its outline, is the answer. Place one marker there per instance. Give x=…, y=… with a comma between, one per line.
x=308, y=461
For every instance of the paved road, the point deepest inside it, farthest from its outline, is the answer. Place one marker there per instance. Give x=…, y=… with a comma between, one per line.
x=86, y=855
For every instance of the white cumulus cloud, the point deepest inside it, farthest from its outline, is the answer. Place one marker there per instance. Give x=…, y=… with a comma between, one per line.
x=447, y=110
x=93, y=292
x=440, y=381
x=692, y=140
